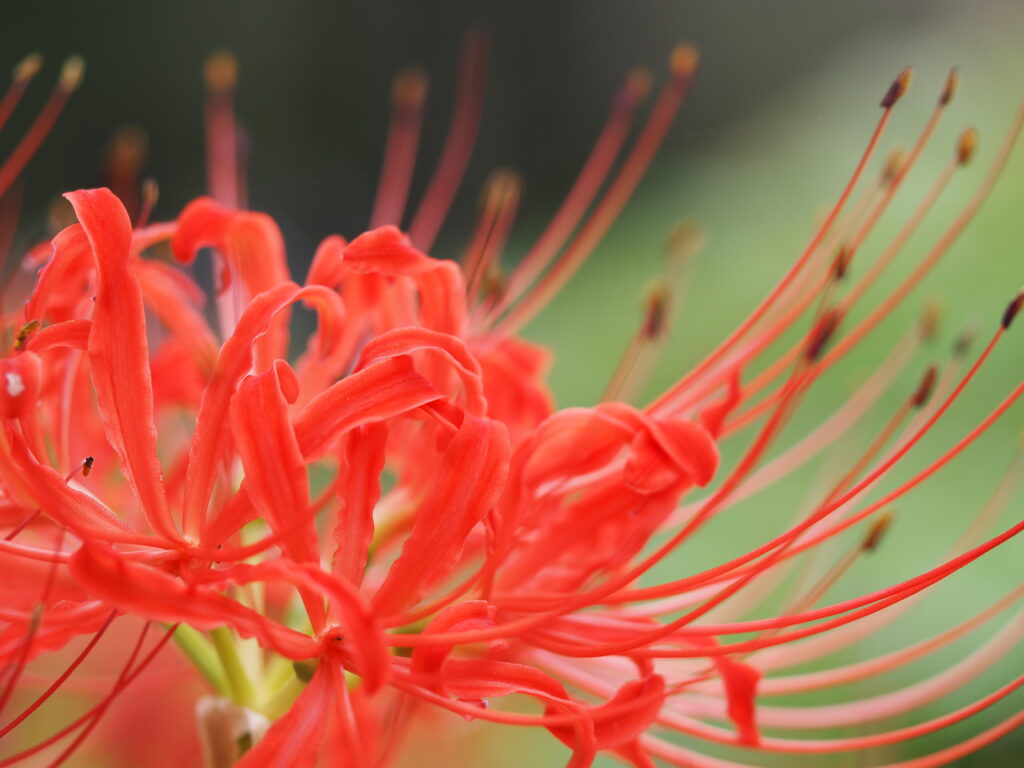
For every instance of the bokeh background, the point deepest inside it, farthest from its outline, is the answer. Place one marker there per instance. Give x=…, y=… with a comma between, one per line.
x=786, y=95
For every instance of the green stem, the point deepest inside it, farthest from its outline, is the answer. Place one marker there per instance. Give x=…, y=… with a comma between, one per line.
x=239, y=685
x=201, y=653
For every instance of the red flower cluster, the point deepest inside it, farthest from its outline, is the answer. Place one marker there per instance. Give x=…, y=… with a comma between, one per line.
x=401, y=518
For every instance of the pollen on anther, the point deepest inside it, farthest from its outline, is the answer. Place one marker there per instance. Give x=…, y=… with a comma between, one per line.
x=874, y=537
x=966, y=146
x=931, y=319
x=28, y=67
x=409, y=90
x=71, y=73
x=898, y=88
x=683, y=61
x=925, y=387
x=1012, y=309
x=952, y=83
x=638, y=85
x=221, y=71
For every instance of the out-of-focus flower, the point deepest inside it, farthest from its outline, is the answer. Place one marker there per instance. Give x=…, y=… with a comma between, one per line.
x=401, y=518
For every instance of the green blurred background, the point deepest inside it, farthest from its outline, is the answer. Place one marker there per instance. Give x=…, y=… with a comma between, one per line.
x=786, y=95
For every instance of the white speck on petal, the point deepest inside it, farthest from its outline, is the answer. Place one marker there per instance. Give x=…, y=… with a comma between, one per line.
x=15, y=384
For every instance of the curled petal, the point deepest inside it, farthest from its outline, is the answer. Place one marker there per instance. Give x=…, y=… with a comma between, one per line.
x=73, y=334
x=233, y=362
x=428, y=660
x=450, y=349
x=158, y=596
x=44, y=487
x=119, y=354
x=380, y=391
x=385, y=250
x=60, y=285
x=327, y=268
x=670, y=451
x=250, y=241
x=274, y=469
x=469, y=480
x=714, y=415
x=294, y=740
x=253, y=251
x=358, y=489
x=626, y=715
x=275, y=472
x=573, y=443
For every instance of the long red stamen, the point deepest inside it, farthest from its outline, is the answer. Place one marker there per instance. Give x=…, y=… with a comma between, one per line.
x=458, y=146
x=222, y=146
x=127, y=676
x=70, y=78
x=61, y=679
x=22, y=75
x=408, y=95
x=898, y=88
x=831, y=506
x=683, y=66
x=499, y=204
x=584, y=189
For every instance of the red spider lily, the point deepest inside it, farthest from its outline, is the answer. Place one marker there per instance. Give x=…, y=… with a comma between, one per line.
x=402, y=518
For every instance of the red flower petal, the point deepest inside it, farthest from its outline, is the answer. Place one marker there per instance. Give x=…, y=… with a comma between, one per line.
x=275, y=473
x=234, y=361
x=19, y=384
x=119, y=354
x=573, y=443
x=294, y=740
x=45, y=488
x=429, y=660
x=380, y=391
x=385, y=250
x=358, y=489
x=469, y=480
x=59, y=285
x=71, y=333
x=449, y=349
x=159, y=596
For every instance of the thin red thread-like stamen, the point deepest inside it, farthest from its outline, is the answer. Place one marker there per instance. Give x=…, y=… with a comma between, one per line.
x=27, y=69
x=587, y=598
x=604, y=591
x=711, y=574
x=584, y=190
x=70, y=77
x=515, y=718
x=60, y=679
x=500, y=203
x=222, y=177
x=843, y=306
x=37, y=618
x=458, y=145
x=150, y=196
x=838, y=424
x=123, y=681
x=408, y=95
x=684, y=62
x=811, y=681
x=719, y=352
